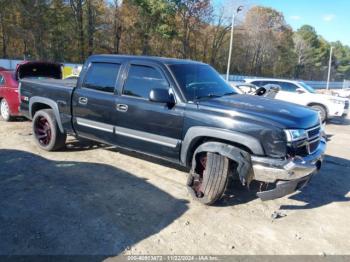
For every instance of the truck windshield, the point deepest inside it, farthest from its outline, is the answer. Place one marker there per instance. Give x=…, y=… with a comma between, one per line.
x=307, y=87
x=199, y=81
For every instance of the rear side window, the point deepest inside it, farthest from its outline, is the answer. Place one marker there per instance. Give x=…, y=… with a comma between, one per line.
x=102, y=77
x=142, y=79
x=2, y=80
x=260, y=83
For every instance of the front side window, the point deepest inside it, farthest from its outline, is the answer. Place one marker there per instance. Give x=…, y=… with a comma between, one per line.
x=142, y=79
x=307, y=87
x=200, y=81
x=102, y=77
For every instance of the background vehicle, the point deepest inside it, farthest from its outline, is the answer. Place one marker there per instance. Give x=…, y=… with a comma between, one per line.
x=9, y=101
x=250, y=89
x=184, y=112
x=300, y=93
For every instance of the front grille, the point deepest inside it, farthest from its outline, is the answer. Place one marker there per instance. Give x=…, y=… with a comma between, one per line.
x=308, y=146
x=346, y=104
x=313, y=146
x=300, y=151
x=313, y=132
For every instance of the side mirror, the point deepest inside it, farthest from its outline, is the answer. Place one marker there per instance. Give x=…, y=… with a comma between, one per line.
x=161, y=95
x=300, y=91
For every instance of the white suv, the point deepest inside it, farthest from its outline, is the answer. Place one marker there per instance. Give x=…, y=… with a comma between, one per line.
x=300, y=93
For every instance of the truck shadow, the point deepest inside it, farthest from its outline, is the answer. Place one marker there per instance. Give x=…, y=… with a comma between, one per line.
x=148, y=158
x=76, y=208
x=332, y=184
x=339, y=121
x=236, y=194
x=73, y=145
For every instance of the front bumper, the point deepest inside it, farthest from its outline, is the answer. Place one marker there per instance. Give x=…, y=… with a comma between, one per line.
x=336, y=110
x=288, y=175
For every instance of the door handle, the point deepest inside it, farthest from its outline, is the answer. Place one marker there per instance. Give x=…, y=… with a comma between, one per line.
x=122, y=107
x=83, y=100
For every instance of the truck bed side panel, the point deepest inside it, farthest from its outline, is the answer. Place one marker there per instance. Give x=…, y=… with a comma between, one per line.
x=59, y=92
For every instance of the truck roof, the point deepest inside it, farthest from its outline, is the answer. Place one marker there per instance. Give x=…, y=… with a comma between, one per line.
x=156, y=59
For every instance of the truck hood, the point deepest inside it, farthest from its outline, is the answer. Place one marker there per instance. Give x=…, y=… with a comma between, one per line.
x=268, y=110
x=38, y=69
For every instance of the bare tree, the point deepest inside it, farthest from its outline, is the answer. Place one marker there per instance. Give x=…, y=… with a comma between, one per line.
x=77, y=8
x=192, y=14
x=117, y=26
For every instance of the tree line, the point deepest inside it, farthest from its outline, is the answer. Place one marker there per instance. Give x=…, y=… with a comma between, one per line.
x=71, y=30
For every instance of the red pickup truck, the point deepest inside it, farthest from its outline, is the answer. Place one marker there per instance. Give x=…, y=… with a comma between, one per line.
x=9, y=82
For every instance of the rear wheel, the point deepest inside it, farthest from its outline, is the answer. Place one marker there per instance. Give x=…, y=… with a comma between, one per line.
x=209, y=182
x=322, y=111
x=46, y=131
x=5, y=110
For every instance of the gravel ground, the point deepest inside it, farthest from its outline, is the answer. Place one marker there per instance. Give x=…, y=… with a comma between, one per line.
x=93, y=199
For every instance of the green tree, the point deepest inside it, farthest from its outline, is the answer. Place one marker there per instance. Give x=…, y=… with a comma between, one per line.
x=156, y=17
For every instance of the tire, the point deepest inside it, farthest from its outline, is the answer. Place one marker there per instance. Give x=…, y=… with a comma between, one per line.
x=5, y=110
x=46, y=132
x=209, y=185
x=322, y=110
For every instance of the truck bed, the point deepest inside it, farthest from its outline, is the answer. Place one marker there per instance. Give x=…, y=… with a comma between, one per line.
x=57, y=91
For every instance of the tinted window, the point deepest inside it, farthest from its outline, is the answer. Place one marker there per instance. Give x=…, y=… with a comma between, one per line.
x=289, y=87
x=307, y=87
x=262, y=83
x=102, y=77
x=200, y=81
x=142, y=79
x=2, y=80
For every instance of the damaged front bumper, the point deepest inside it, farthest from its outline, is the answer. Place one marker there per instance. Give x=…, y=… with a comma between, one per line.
x=288, y=175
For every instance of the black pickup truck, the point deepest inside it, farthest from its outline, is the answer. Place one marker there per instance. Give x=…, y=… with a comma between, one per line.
x=184, y=112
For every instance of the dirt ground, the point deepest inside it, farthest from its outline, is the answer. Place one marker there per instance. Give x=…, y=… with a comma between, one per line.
x=99, y=200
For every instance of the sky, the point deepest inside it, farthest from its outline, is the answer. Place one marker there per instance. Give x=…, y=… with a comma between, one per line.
x=330, y=18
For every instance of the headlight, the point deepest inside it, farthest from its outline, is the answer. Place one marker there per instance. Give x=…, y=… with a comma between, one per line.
x=295, y=134
x=336, y=101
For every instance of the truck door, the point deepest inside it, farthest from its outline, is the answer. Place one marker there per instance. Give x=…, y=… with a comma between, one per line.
x=94, y=114
x=146, y=126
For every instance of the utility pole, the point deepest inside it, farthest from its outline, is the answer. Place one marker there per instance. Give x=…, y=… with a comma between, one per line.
x=329, y=67
x=231, y=42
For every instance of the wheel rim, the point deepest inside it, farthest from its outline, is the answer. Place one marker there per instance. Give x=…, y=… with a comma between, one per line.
x=42, y=131
x=5, y=109
x=198, y=180
x=322, y=113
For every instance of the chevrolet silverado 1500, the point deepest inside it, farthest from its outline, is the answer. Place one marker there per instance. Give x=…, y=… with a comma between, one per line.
x=184, y=112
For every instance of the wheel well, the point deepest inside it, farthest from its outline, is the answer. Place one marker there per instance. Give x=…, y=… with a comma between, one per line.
x=317, y=104
x=201, y=140
x=39, y=106
x=321, y=105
